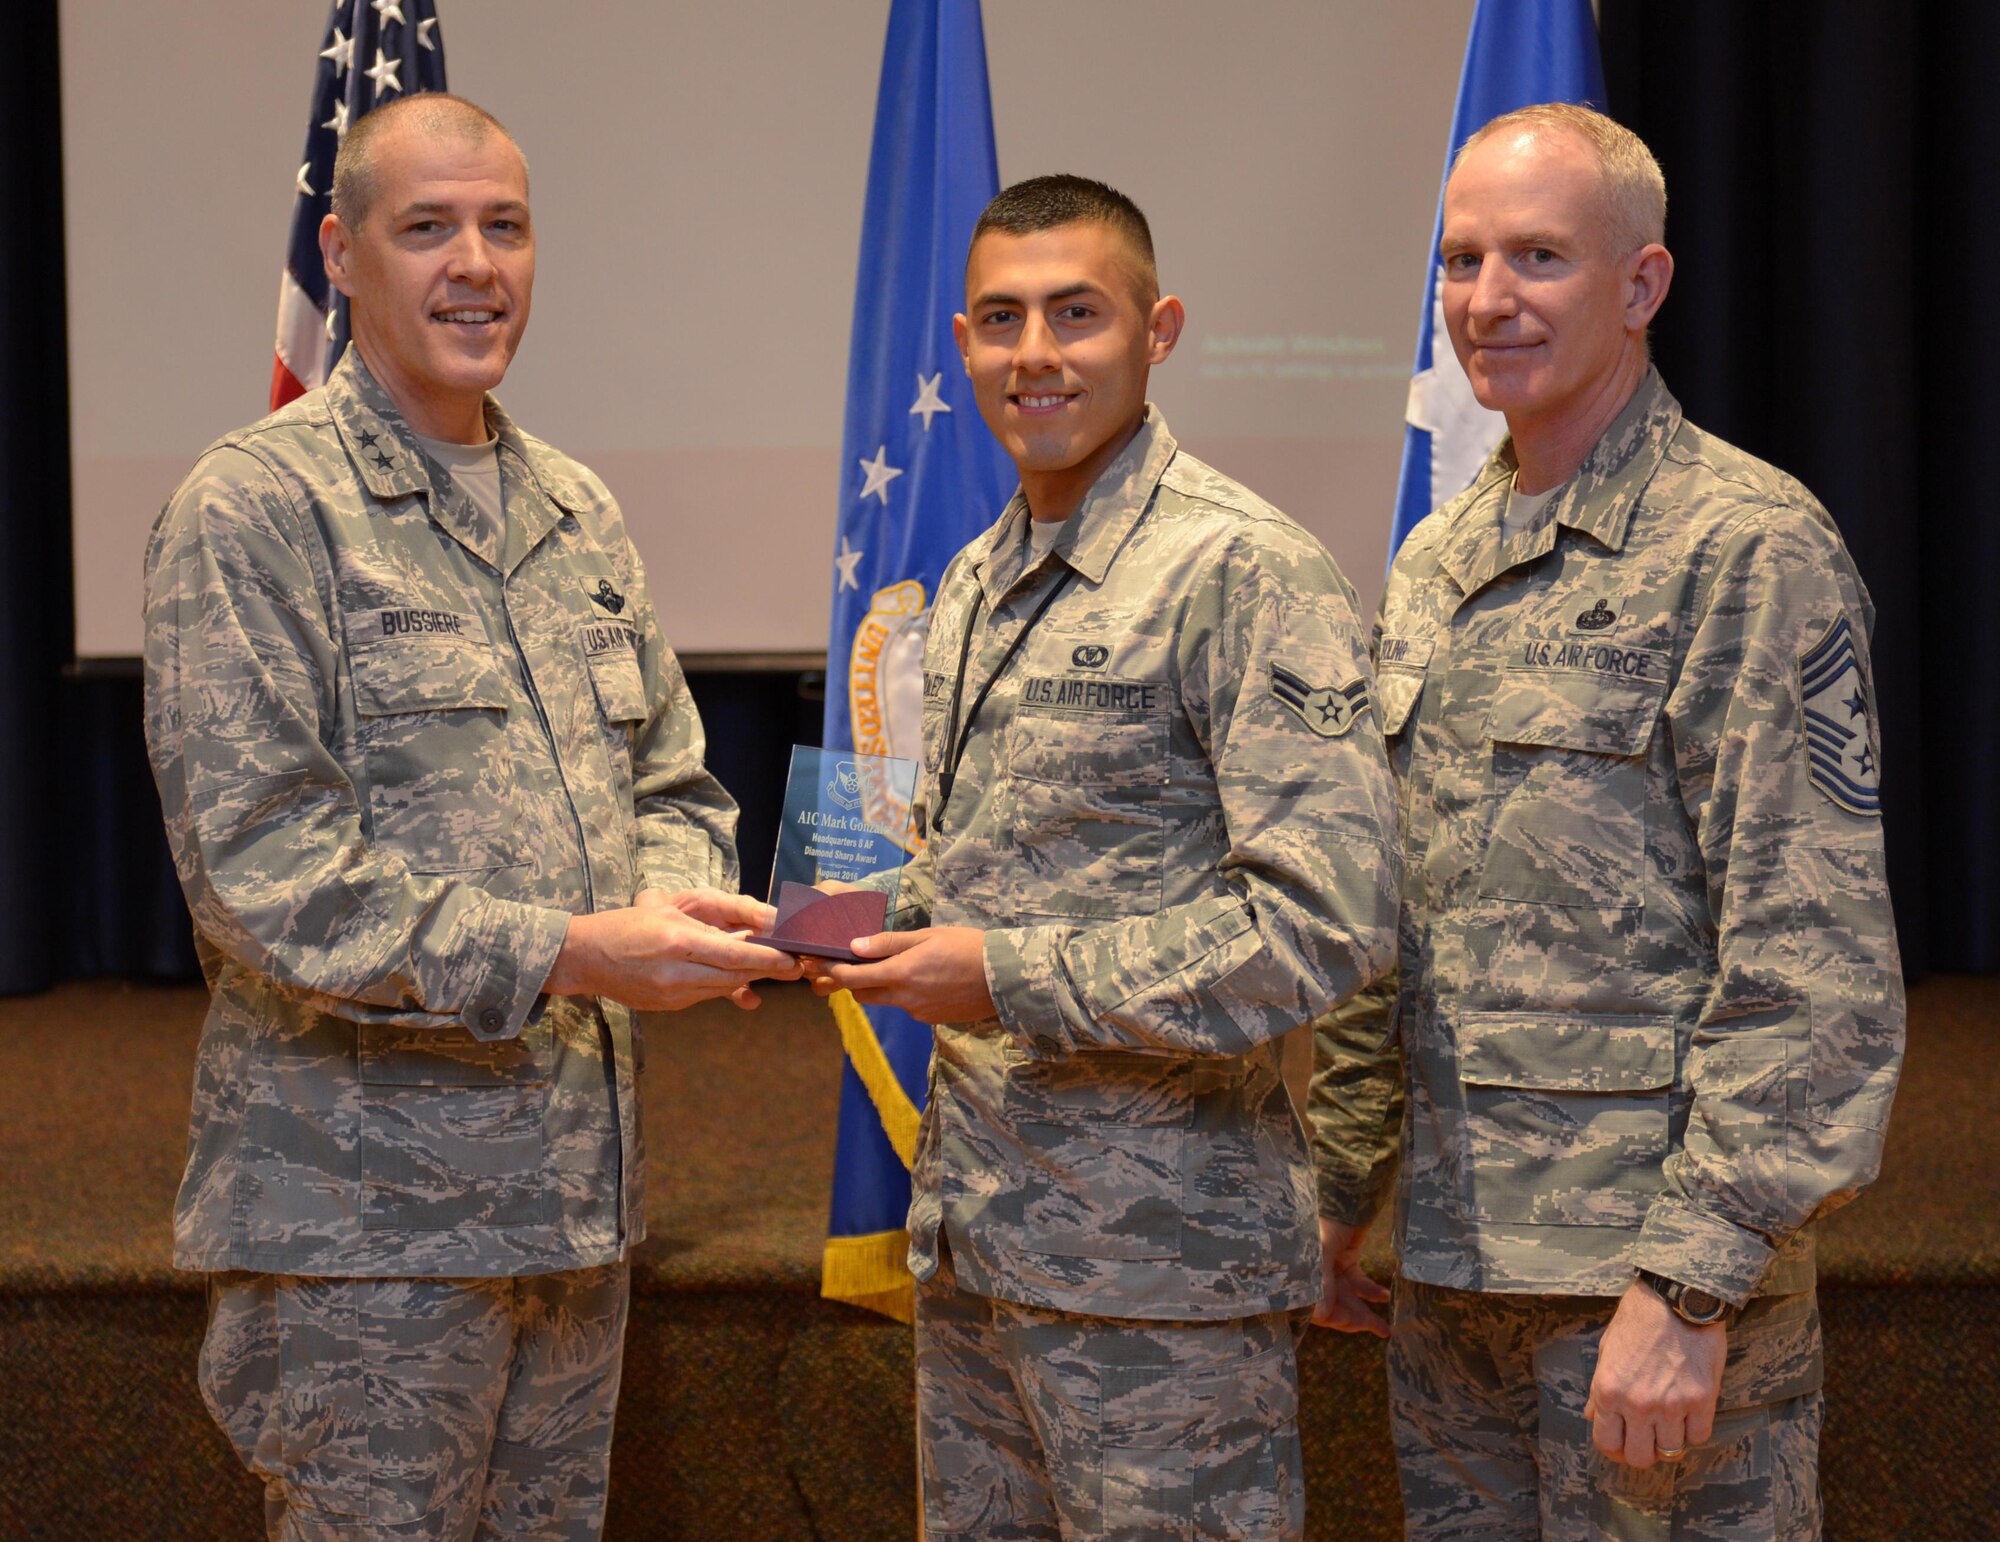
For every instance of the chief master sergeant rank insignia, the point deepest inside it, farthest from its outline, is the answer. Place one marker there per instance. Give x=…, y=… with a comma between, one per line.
x=1840, y=738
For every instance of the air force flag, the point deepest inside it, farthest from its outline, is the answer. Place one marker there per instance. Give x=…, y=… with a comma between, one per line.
x=920, y=477
x=1520, y=52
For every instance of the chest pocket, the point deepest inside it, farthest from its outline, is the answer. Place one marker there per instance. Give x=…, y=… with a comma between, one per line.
x=1089, y=812
x=1569, y=784
x=433, y=730
x=611, y=649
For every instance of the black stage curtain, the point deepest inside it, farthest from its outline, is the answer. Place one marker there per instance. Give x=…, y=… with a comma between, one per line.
x=1830, y=167
x=36, y=625
x=1830, y=185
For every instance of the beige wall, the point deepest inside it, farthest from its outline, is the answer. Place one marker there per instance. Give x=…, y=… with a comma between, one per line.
x=698, y=176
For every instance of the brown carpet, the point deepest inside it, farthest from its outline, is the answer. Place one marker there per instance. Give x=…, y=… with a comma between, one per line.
x=753, y=1409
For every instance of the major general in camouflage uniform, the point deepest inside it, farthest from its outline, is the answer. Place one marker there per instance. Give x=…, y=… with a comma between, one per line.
x=434, y=787
x=1159, y=837
x=1649, y=1010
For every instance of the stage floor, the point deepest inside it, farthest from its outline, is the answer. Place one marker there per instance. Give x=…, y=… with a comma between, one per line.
x=754, y=1409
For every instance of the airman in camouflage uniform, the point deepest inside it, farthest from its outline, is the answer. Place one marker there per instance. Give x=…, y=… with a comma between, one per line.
x=417, y=765
x=1158, y=842
x=1649, y=1009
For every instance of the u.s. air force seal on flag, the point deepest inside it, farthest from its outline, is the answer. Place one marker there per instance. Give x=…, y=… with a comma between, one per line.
x=1840, y=729
x=885, y=694
x=1328, y=711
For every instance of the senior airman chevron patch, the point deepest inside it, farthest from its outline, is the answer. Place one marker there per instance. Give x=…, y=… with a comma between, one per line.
x=1327, y=710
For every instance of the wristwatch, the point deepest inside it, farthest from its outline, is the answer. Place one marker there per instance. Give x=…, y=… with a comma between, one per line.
x=1694, y=1306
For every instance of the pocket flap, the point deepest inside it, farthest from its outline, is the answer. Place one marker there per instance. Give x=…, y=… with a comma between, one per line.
x=394, y=1056
x=432, y=675
x=1397, y=690
x=1577, y=709
x=621, y=691
x=1090, y=733
x=1174, y=1409
x=1400, y=667
x=1552, y=1053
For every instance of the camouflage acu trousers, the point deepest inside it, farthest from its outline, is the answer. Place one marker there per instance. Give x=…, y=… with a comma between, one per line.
x=1486, y=1396
x=1039, y=1425
x=425, y=1408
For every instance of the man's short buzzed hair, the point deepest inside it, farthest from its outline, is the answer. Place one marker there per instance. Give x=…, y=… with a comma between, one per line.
x=1047, y=203
x=1630, y=182
x=436, y=113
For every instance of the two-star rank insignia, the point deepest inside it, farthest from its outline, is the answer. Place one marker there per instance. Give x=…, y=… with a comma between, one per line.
x=1840, y=736
x=608, y=597
x=1328, y=711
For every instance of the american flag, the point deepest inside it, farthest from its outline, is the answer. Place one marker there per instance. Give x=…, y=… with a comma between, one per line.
x=374, y=51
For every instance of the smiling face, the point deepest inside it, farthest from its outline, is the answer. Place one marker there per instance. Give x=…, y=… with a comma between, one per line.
x=439, y=273
x=1058, y=338
x=1547, y=321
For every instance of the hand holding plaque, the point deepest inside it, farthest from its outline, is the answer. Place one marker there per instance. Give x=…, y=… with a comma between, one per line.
x=847, y=818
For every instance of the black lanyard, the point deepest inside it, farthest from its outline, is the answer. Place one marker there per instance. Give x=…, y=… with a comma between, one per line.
x=956, y=738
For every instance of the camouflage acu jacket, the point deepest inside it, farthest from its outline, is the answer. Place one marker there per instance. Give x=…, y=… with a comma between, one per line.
x=1650, y=1007
x=1174, y=819
x=393, y=764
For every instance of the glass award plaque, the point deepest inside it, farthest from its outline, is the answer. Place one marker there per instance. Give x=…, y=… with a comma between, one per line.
x=846, y=819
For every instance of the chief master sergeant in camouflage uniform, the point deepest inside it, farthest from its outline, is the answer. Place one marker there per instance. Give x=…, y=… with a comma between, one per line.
x=1158, y=838
x=434, y=787
x=1650, y=1008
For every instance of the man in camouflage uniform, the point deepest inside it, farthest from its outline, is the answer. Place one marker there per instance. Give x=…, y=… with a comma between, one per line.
x=1649, y=1008
x=435, y=791
x=1158, y=838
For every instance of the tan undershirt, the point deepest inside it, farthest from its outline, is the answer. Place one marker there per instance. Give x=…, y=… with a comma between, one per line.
x=1522, y=510
x=1042, y=534
x=474, y=470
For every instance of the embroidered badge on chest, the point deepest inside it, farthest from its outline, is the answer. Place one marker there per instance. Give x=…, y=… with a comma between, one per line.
x=1597, y=618
x=608, y=597
x=1328, y=711
x=1840, y=729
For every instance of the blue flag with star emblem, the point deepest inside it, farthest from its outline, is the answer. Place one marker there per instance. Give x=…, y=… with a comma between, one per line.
x=920, y=477
x=1519, y=52
x=374, y=51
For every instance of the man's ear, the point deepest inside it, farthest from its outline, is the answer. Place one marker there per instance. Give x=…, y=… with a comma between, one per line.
x=336, y=254
x=1649, y=274
x=1164, y=325
x=962, y=335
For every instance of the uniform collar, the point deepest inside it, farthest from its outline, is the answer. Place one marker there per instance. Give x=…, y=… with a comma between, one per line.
x=1598, y=501
x=1091, y=537
x=392, y=464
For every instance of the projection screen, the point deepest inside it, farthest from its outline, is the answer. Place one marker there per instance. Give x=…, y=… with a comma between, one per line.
x=698, y=173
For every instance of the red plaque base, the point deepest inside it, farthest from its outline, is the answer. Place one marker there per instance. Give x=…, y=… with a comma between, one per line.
x=822, y=925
